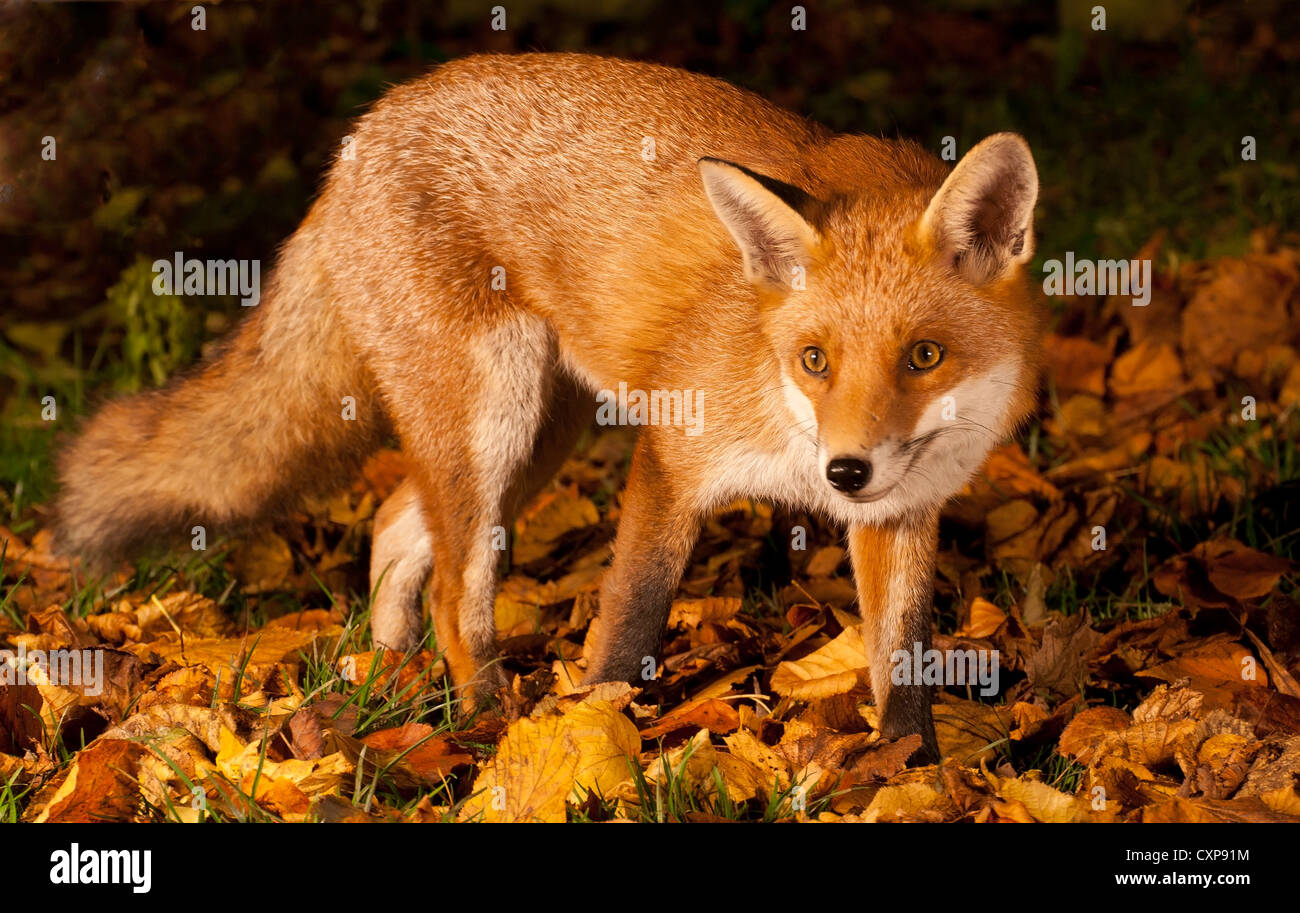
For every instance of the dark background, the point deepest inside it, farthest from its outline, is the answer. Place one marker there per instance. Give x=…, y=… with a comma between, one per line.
x=213, y=142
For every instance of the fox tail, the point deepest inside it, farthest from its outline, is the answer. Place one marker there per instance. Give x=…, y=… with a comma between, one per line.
x=244, y=437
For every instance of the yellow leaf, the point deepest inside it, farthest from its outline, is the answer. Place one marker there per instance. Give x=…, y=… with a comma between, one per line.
x=836, y=668
x=1282, y=800
x=985, y=619
x=745, y=745
x=246, y=766
x=253, y=655
x=693, y=764
x=549, y=517
x=691, y=613
x=1146, y=368
x=1041, y=801
x=514, y=617
x=263, y=563
x=905, y=801
x=542, y=763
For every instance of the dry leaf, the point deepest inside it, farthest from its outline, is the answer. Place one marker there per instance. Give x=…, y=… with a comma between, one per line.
x=542, y=763
x=99, y=786
x=710, y=713
x=836, y=668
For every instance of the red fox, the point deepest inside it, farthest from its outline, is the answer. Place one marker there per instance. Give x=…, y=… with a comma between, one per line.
x=512, y=233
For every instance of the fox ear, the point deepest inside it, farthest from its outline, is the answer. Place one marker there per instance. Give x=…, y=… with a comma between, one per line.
x=772, y=236
x=982, y=218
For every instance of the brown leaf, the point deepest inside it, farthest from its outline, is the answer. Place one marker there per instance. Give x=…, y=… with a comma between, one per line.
x=20, y=717
x=1008, y=472
x=828, y=750
x=691, y=613
x=1244, y=305
x=1087, y=732
x=968, y=730
x=983, y=621
x=883, y=759
x=1222, y=762
x=1061, y=663
x=263, y=563
x=1077, y=365
x=1239, y=571
x=99, y=786
x=1282, y=679
x=1276, y=767
x=711, y=714
x=1218, y=669
x=1250, y=810
x=824, y=561
x=431, y=758
x=1147, y=369
x=306, y=735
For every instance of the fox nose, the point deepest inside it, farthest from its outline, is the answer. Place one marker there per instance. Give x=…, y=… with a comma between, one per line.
x=847, y=474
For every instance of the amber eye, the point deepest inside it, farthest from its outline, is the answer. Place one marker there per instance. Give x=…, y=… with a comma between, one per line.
x=814, y=360
x=925, y=355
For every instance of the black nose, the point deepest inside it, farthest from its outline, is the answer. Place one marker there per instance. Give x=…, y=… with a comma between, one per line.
x=847, y=474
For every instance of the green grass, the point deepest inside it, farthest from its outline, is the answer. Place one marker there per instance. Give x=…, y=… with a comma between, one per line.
x=13, y=799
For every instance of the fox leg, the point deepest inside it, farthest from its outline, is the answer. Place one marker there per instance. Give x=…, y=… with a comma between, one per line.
x=401, y=558
x=568, y=413
x=428, y=533
x=656, y=533
x=443, y=521
x=893, y=565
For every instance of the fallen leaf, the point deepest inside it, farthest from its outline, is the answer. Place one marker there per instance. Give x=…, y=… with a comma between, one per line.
x=694, y=763
x=983, y=620
x=430, y=758
x=909, y=801
x=835, y=668
x=542, y=763
x=711, y=714
x=99, y=786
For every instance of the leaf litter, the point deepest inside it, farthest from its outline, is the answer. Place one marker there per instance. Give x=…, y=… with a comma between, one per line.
x=1129, y=560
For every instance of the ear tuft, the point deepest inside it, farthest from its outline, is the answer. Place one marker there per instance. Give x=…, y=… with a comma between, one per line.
x=982, y=218
x=774, y=239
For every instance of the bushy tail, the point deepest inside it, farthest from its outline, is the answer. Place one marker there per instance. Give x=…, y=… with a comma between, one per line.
x=243, y=438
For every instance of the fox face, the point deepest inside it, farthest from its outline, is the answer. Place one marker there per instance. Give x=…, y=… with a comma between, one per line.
x=901, y=324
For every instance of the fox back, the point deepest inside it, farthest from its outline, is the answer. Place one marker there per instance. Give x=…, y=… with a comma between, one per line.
x=578, y=180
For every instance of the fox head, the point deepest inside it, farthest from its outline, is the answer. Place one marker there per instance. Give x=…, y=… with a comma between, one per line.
x=898, y=313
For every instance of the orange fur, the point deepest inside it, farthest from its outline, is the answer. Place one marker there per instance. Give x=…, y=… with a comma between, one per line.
x=672, y=271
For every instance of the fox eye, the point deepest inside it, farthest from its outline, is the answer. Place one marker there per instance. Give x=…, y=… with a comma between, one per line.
x=814, y=360
x=925, y=355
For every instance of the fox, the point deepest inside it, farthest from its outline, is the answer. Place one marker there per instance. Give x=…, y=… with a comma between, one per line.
x=510, y=234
